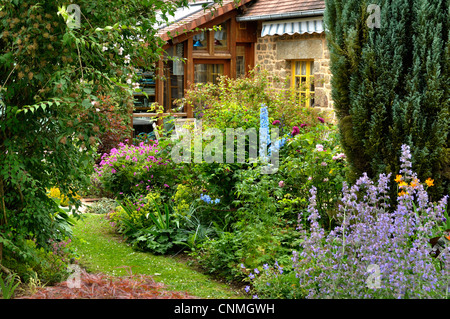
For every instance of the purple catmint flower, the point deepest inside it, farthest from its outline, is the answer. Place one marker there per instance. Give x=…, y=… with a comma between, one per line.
x=370, y=232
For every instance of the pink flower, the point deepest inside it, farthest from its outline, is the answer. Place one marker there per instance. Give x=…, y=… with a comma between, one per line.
x=339, y=156
x=303, y=125
x=281, y=183
x=295, y=131
x=276, y=122
x=321, y=119
x=166, y=185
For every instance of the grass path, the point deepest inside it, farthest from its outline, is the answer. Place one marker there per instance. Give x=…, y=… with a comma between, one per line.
x=101, y=250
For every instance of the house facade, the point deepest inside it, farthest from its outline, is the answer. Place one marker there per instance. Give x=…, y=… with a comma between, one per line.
x=292, y=47
x=286, y=38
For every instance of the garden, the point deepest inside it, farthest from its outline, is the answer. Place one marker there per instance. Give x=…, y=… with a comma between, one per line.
x=259, y=193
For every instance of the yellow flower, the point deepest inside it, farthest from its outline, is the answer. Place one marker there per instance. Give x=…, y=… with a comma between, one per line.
x=415, y=183
x=403, y=184
x=429, y=182
x=398, y=178
x=402, y=193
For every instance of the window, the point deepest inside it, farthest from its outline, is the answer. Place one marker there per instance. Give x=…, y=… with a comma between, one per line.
x=211, y=41
x=303, y=81
x=221, y=37
x=200, y=41
x=174, y=75
x=204, y=73
x=240, y=61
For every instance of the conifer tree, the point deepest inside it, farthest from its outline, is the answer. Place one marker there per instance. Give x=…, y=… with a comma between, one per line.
x=390, y=85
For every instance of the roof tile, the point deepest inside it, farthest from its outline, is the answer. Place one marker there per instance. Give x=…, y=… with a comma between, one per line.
x=270, y=7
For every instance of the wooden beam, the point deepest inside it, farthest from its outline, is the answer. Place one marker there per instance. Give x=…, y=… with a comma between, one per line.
x=160, y=86
x=189, y=72
x=232, y=46
x=178, y=114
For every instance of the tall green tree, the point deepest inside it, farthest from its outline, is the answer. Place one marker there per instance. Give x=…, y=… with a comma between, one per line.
x=56, y=58
x=390, y=85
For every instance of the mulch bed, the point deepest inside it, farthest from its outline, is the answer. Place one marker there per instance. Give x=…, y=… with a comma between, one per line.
x=101, y=286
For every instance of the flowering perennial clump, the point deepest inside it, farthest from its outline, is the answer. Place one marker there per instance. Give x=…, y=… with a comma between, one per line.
x=132, y=167
x=376, y=251
x=394, y=241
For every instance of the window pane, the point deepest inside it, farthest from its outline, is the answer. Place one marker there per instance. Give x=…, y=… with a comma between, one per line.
x=297, y=68
x=311, y=68
x=240, y=61
x=303, y=83
x=200, y=41
x=204, y=73
x=303, y=68
x=220, y=37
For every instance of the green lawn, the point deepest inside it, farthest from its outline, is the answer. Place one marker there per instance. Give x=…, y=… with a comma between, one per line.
x=101, y=250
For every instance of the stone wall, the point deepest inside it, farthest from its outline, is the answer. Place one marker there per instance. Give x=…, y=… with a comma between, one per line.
x=275, y=53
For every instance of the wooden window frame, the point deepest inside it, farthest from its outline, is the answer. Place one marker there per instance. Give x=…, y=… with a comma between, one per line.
x=226, y=64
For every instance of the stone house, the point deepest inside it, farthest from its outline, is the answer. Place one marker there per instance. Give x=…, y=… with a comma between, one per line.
x=291, y=46
x=286, y=38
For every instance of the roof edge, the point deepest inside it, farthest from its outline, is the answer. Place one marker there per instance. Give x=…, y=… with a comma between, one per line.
x=298, y=14
x=180, y=27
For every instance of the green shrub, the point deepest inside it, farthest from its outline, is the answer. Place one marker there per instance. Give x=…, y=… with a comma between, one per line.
x=233, y=103
x=50, y=266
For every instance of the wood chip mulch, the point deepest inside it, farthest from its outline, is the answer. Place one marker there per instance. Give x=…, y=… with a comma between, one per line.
x=101, y=286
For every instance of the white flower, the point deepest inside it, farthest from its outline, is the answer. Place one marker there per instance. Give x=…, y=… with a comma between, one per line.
x=129, y=81
x=319, y=147
x=104, y=49
x=120, y=51
x=127, y=58
x=97, y=110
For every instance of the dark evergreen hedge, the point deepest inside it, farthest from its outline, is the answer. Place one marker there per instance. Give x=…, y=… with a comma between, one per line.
x=391, y=85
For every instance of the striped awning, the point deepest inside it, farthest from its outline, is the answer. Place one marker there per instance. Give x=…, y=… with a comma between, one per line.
x=300, y=26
